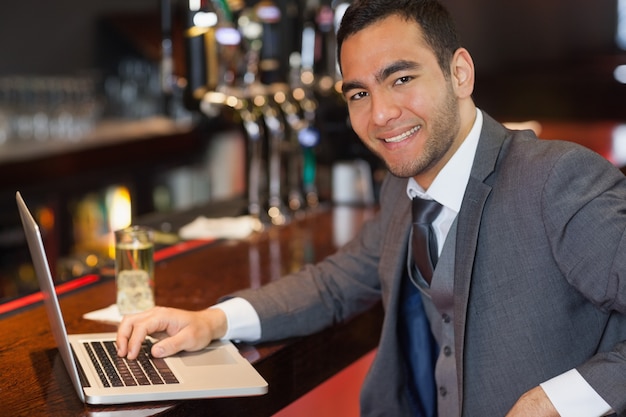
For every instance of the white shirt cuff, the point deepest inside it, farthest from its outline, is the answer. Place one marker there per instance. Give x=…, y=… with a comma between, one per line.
x=572, y=396
x=243, y=322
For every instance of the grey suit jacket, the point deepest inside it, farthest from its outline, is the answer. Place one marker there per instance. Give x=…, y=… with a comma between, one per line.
x=539, y=282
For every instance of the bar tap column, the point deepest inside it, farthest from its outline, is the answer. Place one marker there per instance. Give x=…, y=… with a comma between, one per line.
x=252, y=123
x=202, y=53
x=278, y=116
x=249, y=110
x=276, y=138
x=299, y=109
x=294, y=124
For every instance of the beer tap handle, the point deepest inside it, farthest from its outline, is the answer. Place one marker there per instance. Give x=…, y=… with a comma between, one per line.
x=276, y=137
x=252, y=31
x=270, y=68
x=309, y=137
x=167, y=61
x=300, y=116
x=201, y=52
x=294, y=123
x=307, y=50
x=254, y=130
x=325, y=23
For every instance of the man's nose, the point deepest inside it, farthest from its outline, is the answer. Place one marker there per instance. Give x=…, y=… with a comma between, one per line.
x=384, y=108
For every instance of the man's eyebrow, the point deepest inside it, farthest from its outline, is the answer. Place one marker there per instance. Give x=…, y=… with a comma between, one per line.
x=397, y=66
x=351, y=85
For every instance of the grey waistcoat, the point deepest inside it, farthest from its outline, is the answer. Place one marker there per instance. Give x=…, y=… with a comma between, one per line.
x=438, y=303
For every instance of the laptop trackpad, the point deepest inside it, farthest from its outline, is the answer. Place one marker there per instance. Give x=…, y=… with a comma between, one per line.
x=207, y=357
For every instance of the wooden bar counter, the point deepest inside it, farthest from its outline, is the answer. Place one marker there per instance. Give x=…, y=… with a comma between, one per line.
x=35, y=383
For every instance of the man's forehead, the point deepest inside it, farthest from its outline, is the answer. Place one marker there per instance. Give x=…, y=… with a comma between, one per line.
x=384, y=49
x=393, y=27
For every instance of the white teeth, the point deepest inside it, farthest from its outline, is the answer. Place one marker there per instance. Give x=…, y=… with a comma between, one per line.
x=403, y=136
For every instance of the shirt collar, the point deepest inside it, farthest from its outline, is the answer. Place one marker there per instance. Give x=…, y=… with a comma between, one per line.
x=449, y=185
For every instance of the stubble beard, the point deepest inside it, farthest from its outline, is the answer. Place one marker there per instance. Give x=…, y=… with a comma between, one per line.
x=445, y=127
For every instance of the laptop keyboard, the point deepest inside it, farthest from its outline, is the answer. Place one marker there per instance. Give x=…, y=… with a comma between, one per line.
x=115, y=371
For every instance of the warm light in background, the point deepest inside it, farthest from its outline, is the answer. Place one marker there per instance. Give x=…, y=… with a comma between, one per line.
x=119, y=211
x=118, y=206
x=46, y=218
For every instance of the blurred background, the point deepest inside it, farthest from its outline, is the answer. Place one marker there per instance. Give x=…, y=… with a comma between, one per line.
x=119, y=111
x=552, y=48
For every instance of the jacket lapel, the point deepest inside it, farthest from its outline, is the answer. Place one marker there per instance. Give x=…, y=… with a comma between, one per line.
x=490, y=144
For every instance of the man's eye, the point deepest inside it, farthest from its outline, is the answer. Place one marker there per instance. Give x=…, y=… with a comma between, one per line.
x=403, y=80
x=358, y=96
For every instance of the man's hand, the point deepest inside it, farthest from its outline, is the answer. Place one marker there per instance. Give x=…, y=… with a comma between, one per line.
x=186, y=330
x=533, y=403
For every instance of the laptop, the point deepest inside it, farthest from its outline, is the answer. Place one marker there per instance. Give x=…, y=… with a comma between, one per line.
x=219, y=370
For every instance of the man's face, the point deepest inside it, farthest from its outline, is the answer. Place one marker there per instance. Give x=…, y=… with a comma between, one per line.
x=400, y=104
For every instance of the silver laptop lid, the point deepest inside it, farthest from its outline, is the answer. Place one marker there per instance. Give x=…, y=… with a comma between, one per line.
x=46, y=283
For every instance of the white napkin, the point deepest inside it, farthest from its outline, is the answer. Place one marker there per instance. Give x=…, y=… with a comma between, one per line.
x=220, y=228
x=110, y=314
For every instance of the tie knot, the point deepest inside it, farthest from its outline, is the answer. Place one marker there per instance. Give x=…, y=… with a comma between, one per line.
x=425, y=211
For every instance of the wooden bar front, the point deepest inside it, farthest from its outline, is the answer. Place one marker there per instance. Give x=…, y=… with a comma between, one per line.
x=35, y=383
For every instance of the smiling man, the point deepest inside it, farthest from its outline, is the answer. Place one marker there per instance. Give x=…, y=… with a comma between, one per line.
x=527, y=302
x=405, y=109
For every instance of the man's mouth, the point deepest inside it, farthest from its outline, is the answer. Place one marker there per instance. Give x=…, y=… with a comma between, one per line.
x=403, y=136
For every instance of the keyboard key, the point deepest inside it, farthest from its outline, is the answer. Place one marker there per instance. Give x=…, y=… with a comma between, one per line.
x=116, y=371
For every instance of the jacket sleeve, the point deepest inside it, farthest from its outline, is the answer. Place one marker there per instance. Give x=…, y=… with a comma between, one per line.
x=331, y=291
x=585, y=219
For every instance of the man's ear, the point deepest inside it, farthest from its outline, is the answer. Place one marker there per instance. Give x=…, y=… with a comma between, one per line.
x=462, y=70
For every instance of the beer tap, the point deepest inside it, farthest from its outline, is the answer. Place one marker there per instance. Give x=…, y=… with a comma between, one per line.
x=252, y=93
x=294, y=124
x=202, y=53
x=270, y=16
x=276, y=137
x=325, y=25
x=308, y=138
x=250, y=112
x=298, y=126
x=263, y=72
x=251, y=30
x=303, y=81
x=251, y=117
x=167, y=61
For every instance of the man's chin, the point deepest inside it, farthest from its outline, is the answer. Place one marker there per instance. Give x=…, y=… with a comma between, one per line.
x=402, y=172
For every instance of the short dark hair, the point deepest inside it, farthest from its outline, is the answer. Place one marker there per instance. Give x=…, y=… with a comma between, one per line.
x=436, y=22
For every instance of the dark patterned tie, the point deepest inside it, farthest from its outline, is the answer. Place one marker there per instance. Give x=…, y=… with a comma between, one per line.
x=424, y=244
